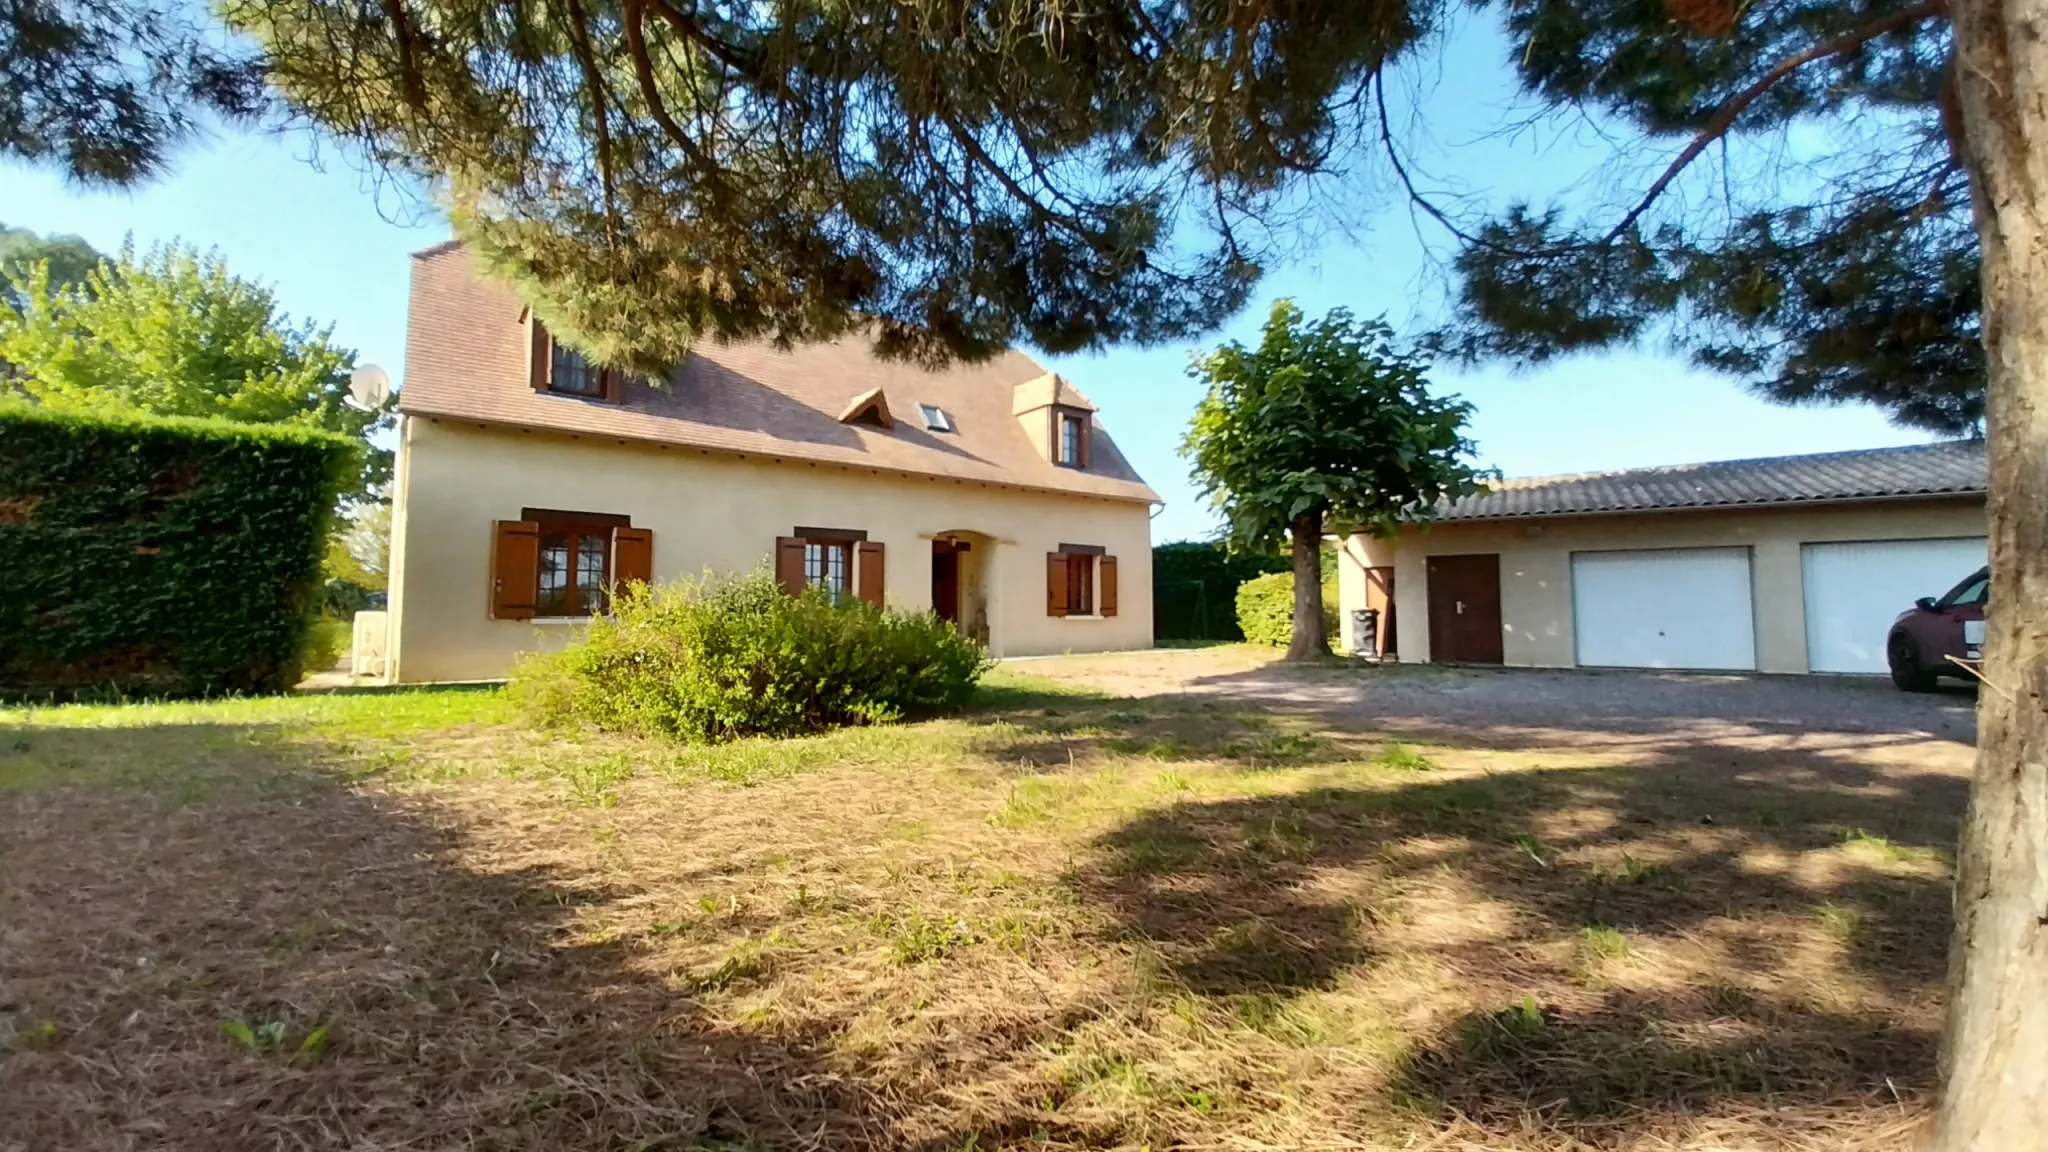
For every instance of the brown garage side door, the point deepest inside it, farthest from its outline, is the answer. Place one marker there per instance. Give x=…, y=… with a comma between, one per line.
x=1464, y=609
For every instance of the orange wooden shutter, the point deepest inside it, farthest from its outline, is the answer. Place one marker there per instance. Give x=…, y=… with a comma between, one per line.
x=1086, y=434
x=1055, y=583
x=789, y=564
x=1108, y=597
x=543, y=357
x=515, y=569
x=613, y=382
x=870, y=571
x=632, y=556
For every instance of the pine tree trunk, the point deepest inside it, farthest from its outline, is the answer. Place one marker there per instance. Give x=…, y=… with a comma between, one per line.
x=1994, y=1092
x=1309, y=641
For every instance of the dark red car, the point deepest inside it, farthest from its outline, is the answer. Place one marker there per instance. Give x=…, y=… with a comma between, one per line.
x=1942, y=637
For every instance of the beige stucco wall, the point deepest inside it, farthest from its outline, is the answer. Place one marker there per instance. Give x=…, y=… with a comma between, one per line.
x=721, y=512
x=1535, y=566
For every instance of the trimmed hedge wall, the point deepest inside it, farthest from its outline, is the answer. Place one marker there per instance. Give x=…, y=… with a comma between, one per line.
x=144, y=556
x=1194, y=589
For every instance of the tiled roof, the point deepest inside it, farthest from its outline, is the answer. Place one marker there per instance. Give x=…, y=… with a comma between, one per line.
x=1953, y=467
x=466, y=359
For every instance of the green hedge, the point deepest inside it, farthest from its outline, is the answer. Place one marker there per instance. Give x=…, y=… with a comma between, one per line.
x=1194, y=589
x=144, y=556
x=1265, y=608
x=737, y=656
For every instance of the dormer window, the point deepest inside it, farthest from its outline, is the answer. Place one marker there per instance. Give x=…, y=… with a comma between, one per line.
x=935, y=418
x=571, y=375
x=1070, y=438
x=559, y=370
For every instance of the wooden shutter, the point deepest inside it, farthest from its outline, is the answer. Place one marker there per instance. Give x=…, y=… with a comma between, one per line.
x=612, y=382
x=1107, y=598
x=1086, y=434
x=542, y=351
x=868, y=575
x=789, y=564
x=515, y=569
x=1055, y=583
x=632, y=556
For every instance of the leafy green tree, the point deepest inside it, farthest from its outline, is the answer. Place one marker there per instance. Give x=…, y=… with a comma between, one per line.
x=175, y=333
x=70, y=258
x=1324, y=425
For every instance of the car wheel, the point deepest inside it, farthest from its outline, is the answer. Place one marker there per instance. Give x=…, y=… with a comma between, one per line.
x=1906, y=670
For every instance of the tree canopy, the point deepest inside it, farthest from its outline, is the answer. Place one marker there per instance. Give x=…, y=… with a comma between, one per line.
x=1324, y=423
x=107, y=89
x=70, y=259
x=173, y=332
x=952, y=178
x=1811, y=235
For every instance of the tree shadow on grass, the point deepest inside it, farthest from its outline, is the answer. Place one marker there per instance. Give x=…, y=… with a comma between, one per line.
x=211, y=943
x=1819, y=880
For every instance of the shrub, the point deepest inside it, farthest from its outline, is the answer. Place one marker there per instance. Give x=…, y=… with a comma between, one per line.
x=1265, y=608
x=160, y=557
x=736, y=656
x=328, y=639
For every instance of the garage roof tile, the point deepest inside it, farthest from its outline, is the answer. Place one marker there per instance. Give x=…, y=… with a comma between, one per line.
x=1953, y=467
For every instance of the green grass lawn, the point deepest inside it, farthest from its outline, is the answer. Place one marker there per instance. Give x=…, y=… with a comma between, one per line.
x=1062, y=920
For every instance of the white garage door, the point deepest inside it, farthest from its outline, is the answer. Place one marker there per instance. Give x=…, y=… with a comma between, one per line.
x=1671, y=608
x=1853, y=592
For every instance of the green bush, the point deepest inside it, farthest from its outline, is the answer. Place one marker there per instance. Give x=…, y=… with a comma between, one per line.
x=158, y=557
x=328, y=639
x=1265, y=608
x=736, y=656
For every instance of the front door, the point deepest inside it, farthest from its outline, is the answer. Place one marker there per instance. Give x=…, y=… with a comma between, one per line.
x=946, y=580
x=1464, y=609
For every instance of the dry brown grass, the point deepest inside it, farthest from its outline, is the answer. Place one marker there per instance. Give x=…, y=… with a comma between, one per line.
x=1064, y=921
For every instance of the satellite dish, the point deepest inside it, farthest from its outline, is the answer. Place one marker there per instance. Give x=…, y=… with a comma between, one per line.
x=368, y=388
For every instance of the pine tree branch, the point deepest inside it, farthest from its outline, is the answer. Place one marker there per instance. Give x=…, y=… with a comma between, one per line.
x=1379, y=86
x=600, y=107
x=1724, y=117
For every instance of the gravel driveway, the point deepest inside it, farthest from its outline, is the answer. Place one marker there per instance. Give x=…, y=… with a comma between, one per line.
x=1541, y=707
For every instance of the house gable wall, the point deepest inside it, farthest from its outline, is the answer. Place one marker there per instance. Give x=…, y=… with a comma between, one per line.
x=710, y=510
x=1536, y=576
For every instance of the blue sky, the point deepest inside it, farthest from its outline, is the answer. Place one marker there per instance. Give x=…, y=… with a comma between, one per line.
x=335, y=248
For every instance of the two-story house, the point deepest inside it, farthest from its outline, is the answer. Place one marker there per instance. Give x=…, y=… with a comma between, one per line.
x=530, y=484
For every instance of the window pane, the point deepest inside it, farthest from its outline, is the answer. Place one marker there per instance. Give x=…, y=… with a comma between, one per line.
x=814, y=563
x=589, y=574
x=571, y=373
x=554, y=576
x=1080, y=584
x=835, y=573
x=1070, y=440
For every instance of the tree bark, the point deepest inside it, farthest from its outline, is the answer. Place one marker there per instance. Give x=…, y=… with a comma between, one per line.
x=1994, y=1060
x=1309, y=640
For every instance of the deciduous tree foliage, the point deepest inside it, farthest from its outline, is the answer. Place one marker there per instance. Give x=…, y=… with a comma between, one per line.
x=174, y=333
x=1325, y=423
x=70, y=258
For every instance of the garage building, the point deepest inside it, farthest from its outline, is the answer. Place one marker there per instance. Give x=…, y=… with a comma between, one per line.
x=1785, y=564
